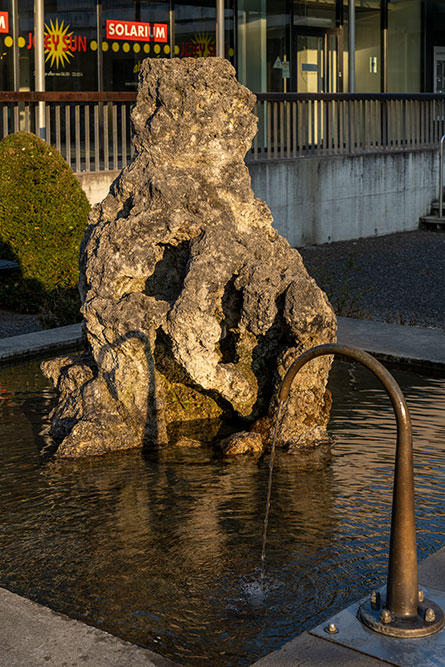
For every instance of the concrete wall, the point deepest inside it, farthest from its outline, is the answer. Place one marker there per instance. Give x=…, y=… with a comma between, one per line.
x=319, y=200
x=96, y=184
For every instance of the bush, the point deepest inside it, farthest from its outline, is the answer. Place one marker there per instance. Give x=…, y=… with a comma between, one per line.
x=43, y=215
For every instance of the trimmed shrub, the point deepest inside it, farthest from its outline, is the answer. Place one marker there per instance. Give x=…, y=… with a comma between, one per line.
x=43, y=215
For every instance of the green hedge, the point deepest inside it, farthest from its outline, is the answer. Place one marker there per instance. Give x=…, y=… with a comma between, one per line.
x=43, y=215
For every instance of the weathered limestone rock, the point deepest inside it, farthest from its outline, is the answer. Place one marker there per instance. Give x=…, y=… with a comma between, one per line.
x=242, y=443
x=193, y=304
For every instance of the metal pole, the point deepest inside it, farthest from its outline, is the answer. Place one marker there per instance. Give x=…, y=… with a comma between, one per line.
x=441, y=176
x=384, y=46
x=401, y=615
x=171, y=19
x=15, y=45
x=220, y=50
x=39, y=62
x=100, y=56
x=351, y=61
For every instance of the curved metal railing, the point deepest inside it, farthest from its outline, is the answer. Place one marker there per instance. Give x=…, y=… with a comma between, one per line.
x=403, y=613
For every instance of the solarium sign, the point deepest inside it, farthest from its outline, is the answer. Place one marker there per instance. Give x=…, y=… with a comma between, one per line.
x=136, y=31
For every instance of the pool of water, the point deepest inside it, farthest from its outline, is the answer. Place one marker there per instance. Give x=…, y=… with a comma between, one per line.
x=168, y=555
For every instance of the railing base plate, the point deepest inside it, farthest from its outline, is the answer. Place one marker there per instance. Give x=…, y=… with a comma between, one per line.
x=350, y=632
x=403, y=627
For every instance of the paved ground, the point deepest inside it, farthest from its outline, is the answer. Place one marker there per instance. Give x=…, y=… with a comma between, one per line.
x=397, y=278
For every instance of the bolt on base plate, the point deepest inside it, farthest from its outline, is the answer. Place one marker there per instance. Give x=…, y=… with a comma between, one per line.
x=429, y=620
x=401, y=651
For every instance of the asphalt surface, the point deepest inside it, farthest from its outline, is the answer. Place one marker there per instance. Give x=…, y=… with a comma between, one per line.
x=15, y=324
x=398, y=278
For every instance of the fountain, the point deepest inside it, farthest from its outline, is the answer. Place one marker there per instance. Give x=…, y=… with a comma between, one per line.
x=195, y=310
x=167, y=555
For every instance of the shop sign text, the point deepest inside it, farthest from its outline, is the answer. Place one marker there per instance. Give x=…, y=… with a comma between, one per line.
x=201, y=46
x=59, y=44
x=136, y=31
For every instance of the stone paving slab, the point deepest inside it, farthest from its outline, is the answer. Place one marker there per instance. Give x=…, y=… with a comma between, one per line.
x=34, y=636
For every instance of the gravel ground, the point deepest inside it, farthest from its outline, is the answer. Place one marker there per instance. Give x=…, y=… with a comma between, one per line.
x=398, y=278
x=14, y=324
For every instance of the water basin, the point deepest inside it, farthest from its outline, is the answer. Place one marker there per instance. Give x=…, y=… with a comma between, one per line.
x=168, y=556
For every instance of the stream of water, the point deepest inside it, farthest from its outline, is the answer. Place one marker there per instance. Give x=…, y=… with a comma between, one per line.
x=169, y=556
x=269, y=494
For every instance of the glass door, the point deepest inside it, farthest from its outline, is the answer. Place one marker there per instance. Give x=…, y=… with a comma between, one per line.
x=310, y=61
x=315, y=61
x=439, y=69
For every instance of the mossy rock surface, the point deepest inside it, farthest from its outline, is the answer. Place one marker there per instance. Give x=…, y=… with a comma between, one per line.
x=184, y=403
x=43, y=216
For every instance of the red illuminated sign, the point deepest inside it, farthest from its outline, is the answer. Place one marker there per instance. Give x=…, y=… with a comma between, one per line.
x=136, y=31
x=4, y=22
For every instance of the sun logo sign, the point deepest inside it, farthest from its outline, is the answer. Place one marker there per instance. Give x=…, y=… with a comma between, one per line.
x=201, y=45
x=204, y=45
x=60, y=45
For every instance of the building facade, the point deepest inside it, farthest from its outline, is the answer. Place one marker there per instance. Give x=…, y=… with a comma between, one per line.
x=275, y=45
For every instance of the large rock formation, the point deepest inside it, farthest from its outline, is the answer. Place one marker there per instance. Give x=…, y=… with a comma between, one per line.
x=193, y=305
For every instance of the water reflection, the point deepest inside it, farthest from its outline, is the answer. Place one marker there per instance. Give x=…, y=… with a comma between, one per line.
x=168, y=556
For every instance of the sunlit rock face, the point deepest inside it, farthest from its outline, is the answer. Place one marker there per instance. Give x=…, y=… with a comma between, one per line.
x=194, y=306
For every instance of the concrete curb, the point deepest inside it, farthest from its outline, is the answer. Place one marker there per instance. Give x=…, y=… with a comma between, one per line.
x=37, y=343
x=413, y=346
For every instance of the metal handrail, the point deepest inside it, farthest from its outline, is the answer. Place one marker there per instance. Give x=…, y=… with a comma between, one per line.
x=353, y=97
x=130, y=96
x=402, y=615
x=66, y=96
x=88, y=127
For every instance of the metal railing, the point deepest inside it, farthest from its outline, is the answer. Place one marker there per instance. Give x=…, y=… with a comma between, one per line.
x=404, y=612
x=442, y=139
x=92, y=130
x=295, y=125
